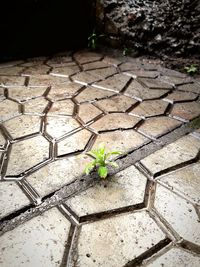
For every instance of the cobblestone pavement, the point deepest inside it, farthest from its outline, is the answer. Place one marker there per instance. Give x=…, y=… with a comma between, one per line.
x=147, y=213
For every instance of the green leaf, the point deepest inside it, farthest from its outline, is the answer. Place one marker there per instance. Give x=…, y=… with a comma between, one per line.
x=113, y=153
x=112, y=163
x=89, y=167
x=102, y=172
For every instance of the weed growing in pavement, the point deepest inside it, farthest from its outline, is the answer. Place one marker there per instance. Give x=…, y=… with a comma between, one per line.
x=192, y=69
x=93, y=40
x=101, y=160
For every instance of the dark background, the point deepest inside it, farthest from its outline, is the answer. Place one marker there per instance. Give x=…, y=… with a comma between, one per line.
x=42, y=27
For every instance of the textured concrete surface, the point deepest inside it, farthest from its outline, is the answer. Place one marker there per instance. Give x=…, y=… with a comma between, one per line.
x=54, y=110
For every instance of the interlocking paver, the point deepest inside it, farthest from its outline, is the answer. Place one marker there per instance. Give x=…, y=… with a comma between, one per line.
x=95, y=65
x=175, y=80
x=184, y=181
x=59, y=92
x=59, y=61
x=31, y=151
x=47, y=80
x=87, y=112
x=37, y=69
x=66, y=71
x=178, y=96
x=176, y=257
x=86, y=57
x=25, y=93
x=155, y=83
x=179, y=213
x=2, y=140
x=2, y=96
x=115, y=121
x=8, y=109
x=142, y=74
x=39, y=242
x=11, y=70
x=193, y=87
x=62, y=107
x=10, y=81
x=119, y=192
x=12, y=198
x=35, y=106
x=155, y=127
x=150, y=108
x=23, y=125
x=130, y=234
x=116, y=103
x=182, y=150
x=186, y=111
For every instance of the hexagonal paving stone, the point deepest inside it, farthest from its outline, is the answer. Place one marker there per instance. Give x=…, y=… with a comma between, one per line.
x=128, y=66
x=150, y=108
x=12, y=198
x=179, y=213
x=176, y=257
x=59, y=92
x=87, y=112
x=136, y=90
x=185, y=181
x=73, y=143
x=91, y=93
x=112, y=60
x=30, y=151
x=36, y=106
x=53, y=176
x=186, y=111
x=175, y=80
x=158, y=126
x=117, y=234
x=182, y=150
x=25, y=93
x=126, y=188
x=9, y=81
x=23, y=125
x=14, y=70
x=65, y=71
x=116, y=103
x=63, y=107
x=86, y=57
x=59, y=61
x=115, y=83
x=2, y=97
x=142, y=74
x=115, y=121
x=8, y=109
x=85, y=78
x=37, y=69
x=124, y=141
x=47, y=80
x=2, y=140
x=178, y=96
x=40, y=241
x=192, y=87
x=59, y=126
x=95, y=65
x=155, y=83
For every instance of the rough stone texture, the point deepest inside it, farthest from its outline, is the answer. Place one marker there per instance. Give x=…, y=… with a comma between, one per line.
x=46, y=80
x=193, y=87
x=8, y=109
x=25, y=93
x=184, y=181
x=186, y=111
x=142, y=74
x=2, y=140
x=95, y=65
x=12, y=198
x=155, y=83
x=176, y=96
x=32, y=244
x=10, y=81
x=184, y=149
x=62, y=107
x=88, y=112
x=115, y=121
x=119, y=192
x=36, y=106
x=179, y=213
x=65, y=71
x=118, y=234
x=83, y=57
x=59, y=92
x=15, y=70
x=176, y=257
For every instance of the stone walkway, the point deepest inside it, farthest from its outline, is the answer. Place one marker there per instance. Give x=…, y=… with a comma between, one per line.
x=147, y=213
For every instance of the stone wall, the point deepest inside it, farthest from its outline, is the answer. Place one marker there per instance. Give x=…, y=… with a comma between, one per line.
x=171, y=26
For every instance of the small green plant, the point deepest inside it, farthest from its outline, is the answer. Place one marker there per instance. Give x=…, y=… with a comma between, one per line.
x=125, y=51
x=101, y=161
x=192, y=69
x=93, y=40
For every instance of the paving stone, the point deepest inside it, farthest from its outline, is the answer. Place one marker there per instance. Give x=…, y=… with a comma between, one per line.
x=115, y=121
x=37, y=69
x=128, y=66
x=155, y=83
x=8, y=109
x=47, y=80
x=36, y=106
x=59, y=92
x=124, y=237
x=86, y=57
x=176, y=257
x=30, y=151
x=88, y=112
x=59, y=61
x=179, y=213
x=124, y=141
x=158, y=126
x=59, y=126
x=38, y=242
x=12, y=198
x=23, y=125
x=65, y=71
x=150, y=108
x=25, y=93
x=73, y=143
x=114, y=83
x=63, y=107
x=116, y=103
x=173, y=73
x=126, y=188
x=91, y=93
x=136, y=90
x=112, y=60
x=193, y=87
x=2, y=140
x=178, y=96
x=2, y=97
x=54, y=175
x=142, y=74
x=185, y=181
x=175, y=80
x=10, y=63
x=15, y=70
x=10, y=81
x=182, y=150
x=186, y=111
x=95, y=65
